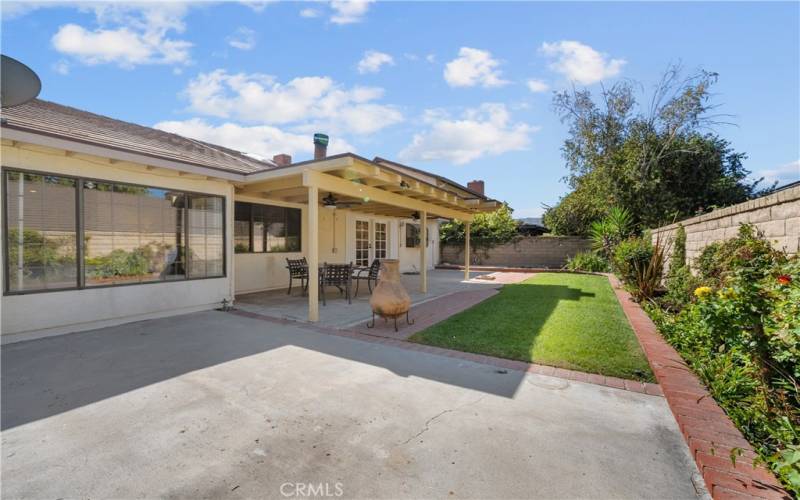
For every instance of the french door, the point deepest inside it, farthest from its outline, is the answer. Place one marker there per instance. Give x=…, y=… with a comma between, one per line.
x=371, y=241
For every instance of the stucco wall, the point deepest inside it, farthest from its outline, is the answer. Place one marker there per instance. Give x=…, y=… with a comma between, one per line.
x=528, y=251
x=41, y=314
x=776, y=215
x=258, y=272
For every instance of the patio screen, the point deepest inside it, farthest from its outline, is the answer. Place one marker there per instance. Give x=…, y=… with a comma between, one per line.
x=266, y=228
x=72, y=233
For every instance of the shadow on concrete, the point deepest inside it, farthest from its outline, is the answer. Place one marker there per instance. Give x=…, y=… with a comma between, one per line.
x=45, y=377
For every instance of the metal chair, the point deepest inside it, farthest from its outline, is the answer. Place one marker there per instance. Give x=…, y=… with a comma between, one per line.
x=298, y=270
x=338, y=275
x=370, y=274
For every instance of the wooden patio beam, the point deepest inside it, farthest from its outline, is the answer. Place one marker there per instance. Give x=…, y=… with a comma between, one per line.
x=338, y=185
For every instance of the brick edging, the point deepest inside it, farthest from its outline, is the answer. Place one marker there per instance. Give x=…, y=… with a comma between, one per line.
x=709, y=433
x=507, y=364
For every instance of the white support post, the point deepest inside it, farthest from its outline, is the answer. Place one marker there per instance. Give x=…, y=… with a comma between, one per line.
x=467, y=249
x=313, y=254
x=423, y=253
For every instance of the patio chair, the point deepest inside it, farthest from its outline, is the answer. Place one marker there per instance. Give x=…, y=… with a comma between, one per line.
x=370, y=274
x=298, y=270
x=338, y=275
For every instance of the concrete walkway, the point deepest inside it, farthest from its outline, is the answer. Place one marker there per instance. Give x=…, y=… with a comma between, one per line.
x=339, y=314
x=214, y=405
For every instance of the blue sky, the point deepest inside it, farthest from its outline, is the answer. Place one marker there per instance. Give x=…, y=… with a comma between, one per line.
x=460, y=89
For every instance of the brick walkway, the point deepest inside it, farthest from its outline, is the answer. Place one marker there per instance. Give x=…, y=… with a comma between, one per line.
x=708, y=431
x=426, y=314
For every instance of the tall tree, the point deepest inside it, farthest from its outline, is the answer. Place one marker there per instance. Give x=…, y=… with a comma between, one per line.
x=661, y=163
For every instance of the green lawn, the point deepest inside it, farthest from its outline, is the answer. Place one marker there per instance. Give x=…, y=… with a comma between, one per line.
x=571, y=321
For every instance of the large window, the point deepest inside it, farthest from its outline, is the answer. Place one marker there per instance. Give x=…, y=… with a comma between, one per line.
x=41, y=232
x=266, y=228
x=66, y=233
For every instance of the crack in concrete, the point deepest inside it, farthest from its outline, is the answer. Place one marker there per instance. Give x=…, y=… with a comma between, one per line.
x=428, y=422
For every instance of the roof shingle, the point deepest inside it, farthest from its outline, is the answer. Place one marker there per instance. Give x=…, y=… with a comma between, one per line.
x=53, y=119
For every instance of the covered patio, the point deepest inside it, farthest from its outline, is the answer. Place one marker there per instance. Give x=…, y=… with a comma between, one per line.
x=339, y=314
x=377, y=187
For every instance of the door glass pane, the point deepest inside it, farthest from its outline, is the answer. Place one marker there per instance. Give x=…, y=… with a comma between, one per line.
x=362, y=243
x=380, y=240
x=42, y=231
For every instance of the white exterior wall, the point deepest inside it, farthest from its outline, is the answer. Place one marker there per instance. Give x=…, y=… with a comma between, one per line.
x=267, y=271
x=50, y=313
x=409, y=257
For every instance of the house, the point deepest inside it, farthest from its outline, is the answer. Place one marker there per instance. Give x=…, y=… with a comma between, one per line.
x=531, y=226
x=106, y=222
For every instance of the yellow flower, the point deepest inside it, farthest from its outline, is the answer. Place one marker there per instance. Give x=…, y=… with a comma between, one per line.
x=702, y=291
x=726, y=293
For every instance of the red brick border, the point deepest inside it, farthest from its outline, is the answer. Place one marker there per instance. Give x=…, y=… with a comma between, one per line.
x=507, y=364
x=708, y=431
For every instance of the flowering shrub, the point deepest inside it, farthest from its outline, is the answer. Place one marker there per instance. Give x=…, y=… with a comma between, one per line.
x=702, y=291
x=741, y=334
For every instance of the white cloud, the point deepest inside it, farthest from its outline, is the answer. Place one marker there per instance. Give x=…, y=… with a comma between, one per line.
x=373, y=60
x=431, y=58
x=128, y=35
x=537, y=85
x=243, y=39
x=258, y=5
x=482, y=131
x=262, y=140
x=309, y=13
x=473, y=67
x=61, y=67
x=783, y=174
x=13, y=9
x=349, y=11
x=304, y=101
x=579, y=62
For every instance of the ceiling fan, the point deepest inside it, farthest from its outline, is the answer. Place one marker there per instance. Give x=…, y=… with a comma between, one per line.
x=331, y=202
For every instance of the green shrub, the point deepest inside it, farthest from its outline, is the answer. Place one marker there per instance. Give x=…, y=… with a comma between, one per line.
x=678, y=258
x=718, y=260
x=608, y=232
x=137, y=262
x=680, y=282
x=630, y=254
x=589, y=262
x=741, y=335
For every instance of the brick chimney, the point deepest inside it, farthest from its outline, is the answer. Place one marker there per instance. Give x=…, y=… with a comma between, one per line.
x=320, y=146
x=476, y=186
x=282, y=160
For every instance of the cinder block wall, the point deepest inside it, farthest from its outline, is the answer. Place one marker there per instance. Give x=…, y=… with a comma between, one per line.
x=777, y=215
x=527, y=251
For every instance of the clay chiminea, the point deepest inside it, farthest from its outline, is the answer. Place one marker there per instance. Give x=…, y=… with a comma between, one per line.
x=390, y=300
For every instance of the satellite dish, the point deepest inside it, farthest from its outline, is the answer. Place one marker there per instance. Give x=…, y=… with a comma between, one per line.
x=18, y=83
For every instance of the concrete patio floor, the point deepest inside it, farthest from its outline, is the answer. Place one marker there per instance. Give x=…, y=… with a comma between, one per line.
x=338, y=313
x=215, y=405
